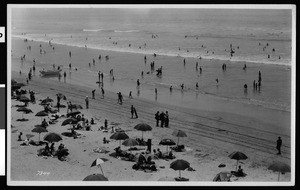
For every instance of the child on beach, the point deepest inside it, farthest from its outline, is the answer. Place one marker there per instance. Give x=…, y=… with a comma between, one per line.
x=93, y=93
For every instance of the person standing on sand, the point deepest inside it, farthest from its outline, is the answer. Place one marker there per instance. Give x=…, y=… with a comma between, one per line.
x=138, y=82
x=93, y=93
x=87, y=102
x=102, y=75
x=197, y=85
x=99, y=75
x=105, y=124
x=162, y=119
x=130, y=94
x=200, y=70
x=167, y=119
x=157, y=118
x=278, y=147
x=102, y=91
x=70, y=54
x=133, y=112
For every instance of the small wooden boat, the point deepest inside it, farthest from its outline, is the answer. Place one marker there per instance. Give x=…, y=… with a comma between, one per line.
x=50, y=72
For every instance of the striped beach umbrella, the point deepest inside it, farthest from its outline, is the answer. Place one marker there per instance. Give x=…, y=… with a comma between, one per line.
x=98, y=163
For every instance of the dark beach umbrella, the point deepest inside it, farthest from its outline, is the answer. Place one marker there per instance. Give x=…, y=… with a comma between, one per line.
x=167, y=142
x=24, y=110
x=47, y=100
x=39, y=130
x=280, y=167
x=95, y=177
x=179, y=133
x=69, y=121
x=98, y=163
x=41, y=114
x=130, y=142
x=222, y=176
x=179, y=165
x=24, y=99
x=76, y=106
x=73, y=113
x=236, y=155
x=143, y=127
x=119, y=136
x=52, y=137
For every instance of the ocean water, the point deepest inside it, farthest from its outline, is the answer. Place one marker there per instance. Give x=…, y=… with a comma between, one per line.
x=179, y=34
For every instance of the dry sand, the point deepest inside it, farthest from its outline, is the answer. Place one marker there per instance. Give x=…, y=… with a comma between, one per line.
x=211, y=138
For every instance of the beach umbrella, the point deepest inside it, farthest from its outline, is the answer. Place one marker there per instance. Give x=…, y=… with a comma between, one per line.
x=179, y=165
x=73, y=113
x=29, y=135
x=143, y=127
x=222, y=176
x=52, y=137
x=24, y=99
x=119, y=136
x=236, y=155
x=280, y=167
x=47, y=100
x=130, y=142
x=167, y=142
x=98, y=163
x=95, y=177
x=69, y=121
x=76, y=106
x=39, y=130
x=16, y=86
x=41, y=114
x=24, y=110
x=179, y=133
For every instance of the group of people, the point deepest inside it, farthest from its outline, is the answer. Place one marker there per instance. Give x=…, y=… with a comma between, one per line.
x=163, y=118
x=61, y=151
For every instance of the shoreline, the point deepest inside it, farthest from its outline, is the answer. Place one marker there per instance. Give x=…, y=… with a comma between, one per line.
x=203, y=93
x=235, y=61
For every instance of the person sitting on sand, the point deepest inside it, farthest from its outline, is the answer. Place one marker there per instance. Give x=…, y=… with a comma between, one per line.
x=52, y=148
x=170, y=155
x=159, y=153
x=92, y=121
x=44, y=123
x=105, y=141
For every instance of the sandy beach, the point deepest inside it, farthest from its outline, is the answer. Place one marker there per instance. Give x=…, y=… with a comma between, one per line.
x=212, y=136
x=218, y=119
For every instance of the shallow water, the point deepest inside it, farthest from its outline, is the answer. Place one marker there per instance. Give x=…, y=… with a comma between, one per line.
x=214, y=29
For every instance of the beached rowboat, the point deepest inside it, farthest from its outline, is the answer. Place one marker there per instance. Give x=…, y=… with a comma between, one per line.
x=50, y=72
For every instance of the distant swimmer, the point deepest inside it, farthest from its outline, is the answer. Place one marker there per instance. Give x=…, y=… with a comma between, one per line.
x=171, y=88
x=138, y=82
x=182, y=86
x=245, y=66
x=197, y=86
x=200, y=70
x=154, y=54
x=217, y=81
x=65, y=74
x=70, y=54
x=155, y=91
x=268, y=56
x=184, y=61
x=99, y=57
x=70, y=66
x=129, y=45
